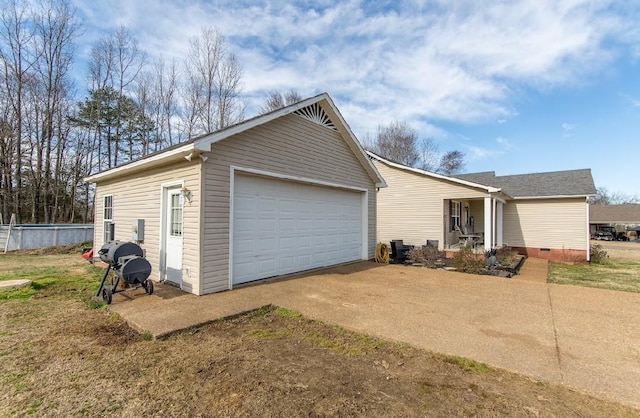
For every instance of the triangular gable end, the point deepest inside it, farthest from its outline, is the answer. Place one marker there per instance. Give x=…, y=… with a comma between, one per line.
x=319, y=109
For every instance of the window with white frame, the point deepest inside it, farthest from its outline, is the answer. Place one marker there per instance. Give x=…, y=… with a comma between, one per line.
x=107, y=218
x=456, y=210
x=176, y=216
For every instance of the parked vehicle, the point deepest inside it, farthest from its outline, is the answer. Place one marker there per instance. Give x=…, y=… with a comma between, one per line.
x=609, y=233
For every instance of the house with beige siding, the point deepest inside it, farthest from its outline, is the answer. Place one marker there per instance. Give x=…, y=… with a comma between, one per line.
x=623, y=217
x=540, y=214
x=284, y=192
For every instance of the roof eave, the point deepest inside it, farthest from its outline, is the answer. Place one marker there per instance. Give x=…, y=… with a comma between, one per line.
x=568, y=196
x=158, y=159
x=354, y=144
x=489, y=189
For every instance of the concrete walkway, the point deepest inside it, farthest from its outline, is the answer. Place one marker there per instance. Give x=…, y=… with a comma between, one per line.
x=585, y=338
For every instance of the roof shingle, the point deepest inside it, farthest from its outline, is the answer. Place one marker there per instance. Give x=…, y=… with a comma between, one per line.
x=553, y=183
x=607, y=214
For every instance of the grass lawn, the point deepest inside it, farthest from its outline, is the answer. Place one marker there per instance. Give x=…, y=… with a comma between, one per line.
x=63, y=355
x=613, y=273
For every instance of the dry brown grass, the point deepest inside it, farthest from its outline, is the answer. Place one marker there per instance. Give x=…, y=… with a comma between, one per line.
x=61, y=358
x=626, y=250
x=620, y=270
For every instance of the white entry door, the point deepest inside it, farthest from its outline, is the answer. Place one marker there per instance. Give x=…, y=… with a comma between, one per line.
x=173, y=236
x=282, y=227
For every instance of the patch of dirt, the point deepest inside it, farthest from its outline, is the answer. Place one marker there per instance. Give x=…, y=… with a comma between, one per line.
x=621, y=249
x=49, y=260
x=54, y=250
x=61, y=359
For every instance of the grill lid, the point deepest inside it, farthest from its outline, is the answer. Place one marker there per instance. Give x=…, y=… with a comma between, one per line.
x=113, y=251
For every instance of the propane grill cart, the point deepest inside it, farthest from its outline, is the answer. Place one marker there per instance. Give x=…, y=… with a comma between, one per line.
x=127, y=260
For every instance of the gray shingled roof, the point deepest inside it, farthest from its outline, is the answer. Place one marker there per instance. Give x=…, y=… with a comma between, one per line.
x=554, y=183
x=606, y=214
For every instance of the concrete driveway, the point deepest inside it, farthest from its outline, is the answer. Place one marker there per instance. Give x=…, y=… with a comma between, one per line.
x=587, y=339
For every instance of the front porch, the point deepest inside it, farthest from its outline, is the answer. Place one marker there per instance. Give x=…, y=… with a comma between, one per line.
x=475, y=222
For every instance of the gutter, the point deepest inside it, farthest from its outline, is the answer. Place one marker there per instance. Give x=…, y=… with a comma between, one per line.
x=185, y=151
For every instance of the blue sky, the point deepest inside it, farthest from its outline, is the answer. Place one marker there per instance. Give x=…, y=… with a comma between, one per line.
x=518, y=86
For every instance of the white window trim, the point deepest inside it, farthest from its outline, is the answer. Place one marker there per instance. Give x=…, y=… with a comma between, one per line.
x=454, y=204
x=105, y=220
x=171, y=219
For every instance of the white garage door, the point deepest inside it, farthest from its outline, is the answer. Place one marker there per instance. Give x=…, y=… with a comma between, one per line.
x=282, y=227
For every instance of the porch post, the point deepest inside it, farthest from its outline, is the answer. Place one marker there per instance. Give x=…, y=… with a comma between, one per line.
x=488, y=223
x=499, y=218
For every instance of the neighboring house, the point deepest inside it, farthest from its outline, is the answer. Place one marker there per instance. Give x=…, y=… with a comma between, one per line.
x=541, y=214
x=284, y=192
x=625, y=216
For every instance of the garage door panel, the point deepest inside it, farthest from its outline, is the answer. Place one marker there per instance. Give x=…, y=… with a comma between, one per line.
x=304, y=243
x=244, y=203
x=288, y=225
x=243, y=270
x=268, y=204
x=267, y=226
x=268, y=244
x=282, y=227
x=287, y=244
x=268, y=267
x=245, y=247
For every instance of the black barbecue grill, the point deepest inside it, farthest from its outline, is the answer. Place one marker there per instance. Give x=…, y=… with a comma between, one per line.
x=127, y=260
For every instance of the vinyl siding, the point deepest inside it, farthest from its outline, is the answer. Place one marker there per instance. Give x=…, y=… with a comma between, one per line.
x=548, y=223
x=412, y=207
x=291, y=146
x=139, y=196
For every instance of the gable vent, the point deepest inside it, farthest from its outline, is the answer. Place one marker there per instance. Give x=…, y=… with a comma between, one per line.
x=316, y=114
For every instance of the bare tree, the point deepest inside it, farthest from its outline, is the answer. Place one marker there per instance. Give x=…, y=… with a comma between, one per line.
x=277, y=100
x=397, y=142
x=36, y=94
x=212, y=85
x=429, y=154
x=605, y=197
x=116, y=62
x=129, y=60
x=17, y=58
x=143, y=92
x=451, y=162
x=56, y=29
x=164, y=105
x=230, y=109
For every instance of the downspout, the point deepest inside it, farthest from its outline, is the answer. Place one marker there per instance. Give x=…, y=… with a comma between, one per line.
x=587, y=231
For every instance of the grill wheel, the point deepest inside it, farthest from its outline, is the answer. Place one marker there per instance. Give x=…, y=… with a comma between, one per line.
x=107, y=295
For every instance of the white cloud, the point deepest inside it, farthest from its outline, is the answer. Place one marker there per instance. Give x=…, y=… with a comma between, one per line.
x=460, y=62
x=506, y=144
x=568, y=127
x=631, y=100
x=480, y=153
